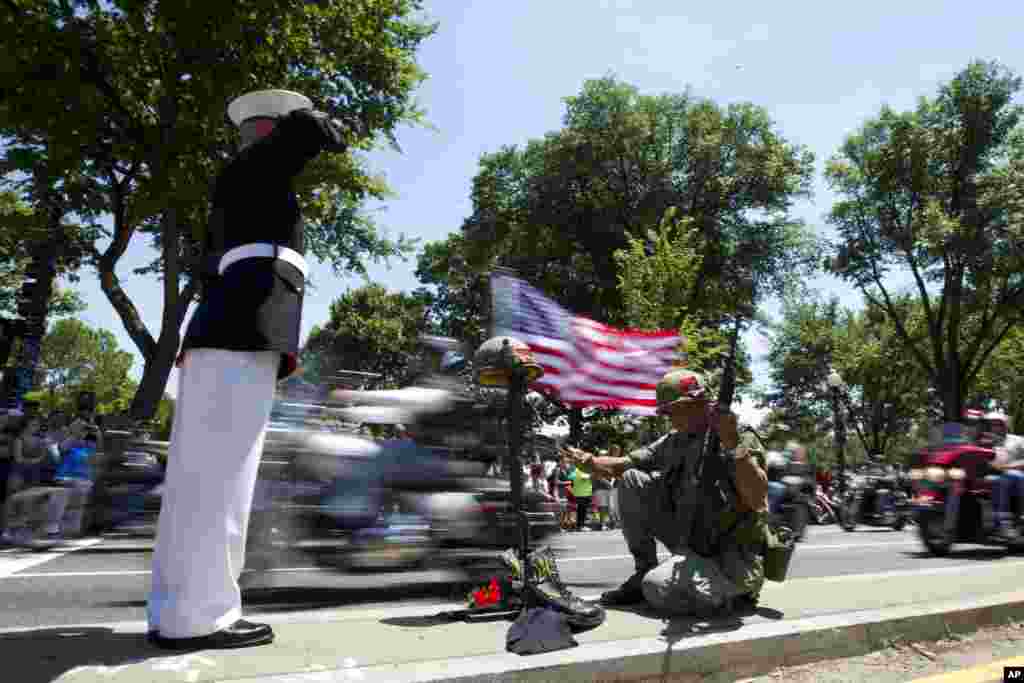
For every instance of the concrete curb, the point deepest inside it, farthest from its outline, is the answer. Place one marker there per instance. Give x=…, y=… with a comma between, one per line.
x=716, y=656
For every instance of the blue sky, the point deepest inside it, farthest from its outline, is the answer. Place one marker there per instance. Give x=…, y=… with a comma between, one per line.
x=499, y=70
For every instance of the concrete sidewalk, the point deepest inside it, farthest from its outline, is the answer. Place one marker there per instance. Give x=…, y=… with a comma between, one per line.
x=799, y=620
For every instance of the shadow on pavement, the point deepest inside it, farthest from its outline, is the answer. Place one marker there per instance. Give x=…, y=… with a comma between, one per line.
x=678, y=629
x=296, y=599
x=45, y=654
x=427, y=621
x=645, y=610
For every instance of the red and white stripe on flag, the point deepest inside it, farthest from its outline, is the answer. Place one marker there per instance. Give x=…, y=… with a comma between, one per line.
x=586, y=363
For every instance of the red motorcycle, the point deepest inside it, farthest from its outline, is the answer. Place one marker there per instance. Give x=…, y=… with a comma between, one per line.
x=952, y=501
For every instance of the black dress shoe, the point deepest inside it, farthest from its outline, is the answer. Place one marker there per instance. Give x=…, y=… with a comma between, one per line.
x=242, y=633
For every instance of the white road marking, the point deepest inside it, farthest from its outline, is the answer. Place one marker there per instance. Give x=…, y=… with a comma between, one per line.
x=10, y=565
x=593, y=558
x=929, y=571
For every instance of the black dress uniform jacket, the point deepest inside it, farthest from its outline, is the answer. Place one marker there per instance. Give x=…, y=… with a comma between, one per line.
x=256, y=304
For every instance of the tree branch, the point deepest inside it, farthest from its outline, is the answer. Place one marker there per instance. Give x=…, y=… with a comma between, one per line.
x=926, y=300
x=973, y=372
x=986, y=326
x=110, y=284
x=900, y=329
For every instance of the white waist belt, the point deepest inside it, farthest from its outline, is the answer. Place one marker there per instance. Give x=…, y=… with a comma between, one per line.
x=263, y=250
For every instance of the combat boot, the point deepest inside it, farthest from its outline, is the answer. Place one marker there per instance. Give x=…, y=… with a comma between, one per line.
x=629, y=593
x=548, y=590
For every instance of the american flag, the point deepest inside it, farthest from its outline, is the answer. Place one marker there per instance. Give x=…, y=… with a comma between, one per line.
x=586, y=363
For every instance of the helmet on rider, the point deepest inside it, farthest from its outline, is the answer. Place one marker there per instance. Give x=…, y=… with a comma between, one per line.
x=994, y=428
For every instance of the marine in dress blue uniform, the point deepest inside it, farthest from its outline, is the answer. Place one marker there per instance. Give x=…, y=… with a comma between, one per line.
x=242, y=338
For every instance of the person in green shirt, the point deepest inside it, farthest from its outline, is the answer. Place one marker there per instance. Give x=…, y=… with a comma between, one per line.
x=583, y=491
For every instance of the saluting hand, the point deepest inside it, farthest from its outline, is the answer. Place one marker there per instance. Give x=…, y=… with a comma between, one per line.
x=335, y=131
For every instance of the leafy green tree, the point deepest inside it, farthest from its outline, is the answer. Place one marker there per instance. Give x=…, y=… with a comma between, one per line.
x=936, y=192
x=134, y=92
x=801, y=352
x=888, y=391
x=459, y=294
x=369, y=330
x=20, y=230
x=884, y=393
x=558, y=209
x=74, y=357
x=656, y=276
x=1002, y=378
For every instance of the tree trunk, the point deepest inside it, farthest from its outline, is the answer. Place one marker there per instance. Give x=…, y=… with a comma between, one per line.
x=44, y=270
x=154, y=378
x=162, y=353
x=952, y=396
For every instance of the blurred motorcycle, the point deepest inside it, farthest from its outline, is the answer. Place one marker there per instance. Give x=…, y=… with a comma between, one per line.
x=823, y=508
x=794, y=508
x=953, y=499
x=387, y=505
x=396, y=504
x=874, y=497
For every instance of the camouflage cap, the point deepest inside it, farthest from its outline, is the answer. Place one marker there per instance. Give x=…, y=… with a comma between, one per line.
x=679, y=386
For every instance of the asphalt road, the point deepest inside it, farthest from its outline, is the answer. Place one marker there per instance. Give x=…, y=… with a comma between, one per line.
x=106, y=580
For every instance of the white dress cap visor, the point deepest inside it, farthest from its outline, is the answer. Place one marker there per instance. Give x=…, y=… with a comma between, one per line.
x=266, y=103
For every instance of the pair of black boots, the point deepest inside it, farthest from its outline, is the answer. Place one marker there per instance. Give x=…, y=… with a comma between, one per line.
x=548, y=590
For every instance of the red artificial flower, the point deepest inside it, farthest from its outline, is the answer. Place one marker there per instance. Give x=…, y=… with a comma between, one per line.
x=489, y=595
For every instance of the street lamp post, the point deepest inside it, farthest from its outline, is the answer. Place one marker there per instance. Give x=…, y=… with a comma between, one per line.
x=835, y=383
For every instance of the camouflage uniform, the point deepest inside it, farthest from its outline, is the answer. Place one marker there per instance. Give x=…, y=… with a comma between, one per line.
x=658, y=500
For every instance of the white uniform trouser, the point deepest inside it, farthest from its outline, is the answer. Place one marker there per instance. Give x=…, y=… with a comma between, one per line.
x=224, y=403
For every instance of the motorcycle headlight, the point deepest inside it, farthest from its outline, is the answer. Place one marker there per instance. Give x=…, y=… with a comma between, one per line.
x=936, y=475
x=917, y=474
x=957, y=474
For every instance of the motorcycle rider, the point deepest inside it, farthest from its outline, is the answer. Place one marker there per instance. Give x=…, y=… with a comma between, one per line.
x=1009, y=461
x=779, y=466
x=885, y=482
x=776, y=462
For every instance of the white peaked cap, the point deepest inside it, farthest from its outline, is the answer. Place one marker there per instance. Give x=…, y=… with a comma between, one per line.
x=268, y=103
